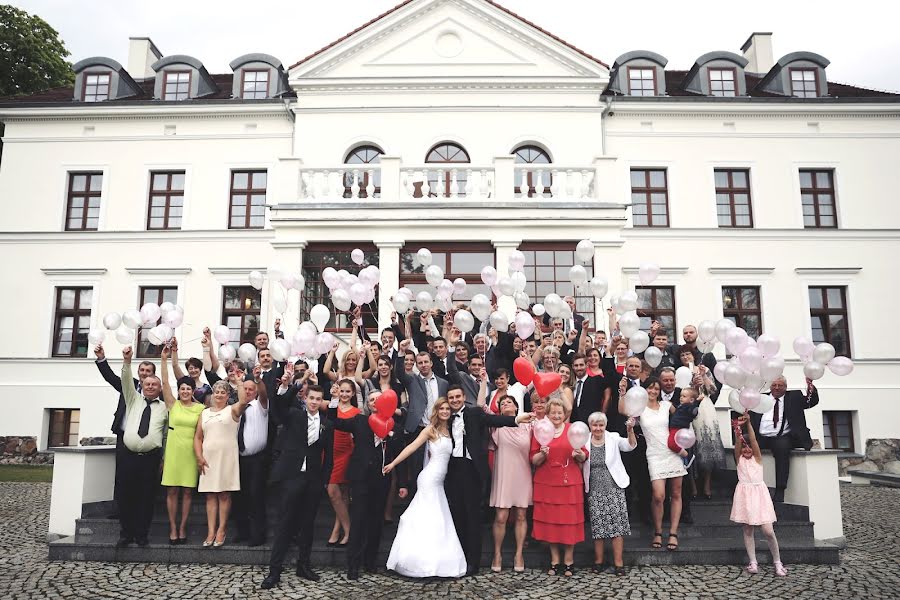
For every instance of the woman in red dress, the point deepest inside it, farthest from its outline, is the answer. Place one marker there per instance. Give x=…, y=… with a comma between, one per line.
x=558, y=492
x=338, y=492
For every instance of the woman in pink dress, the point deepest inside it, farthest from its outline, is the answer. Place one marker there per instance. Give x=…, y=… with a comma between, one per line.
x=752, y=504
x=510, y=483
x=558, y=492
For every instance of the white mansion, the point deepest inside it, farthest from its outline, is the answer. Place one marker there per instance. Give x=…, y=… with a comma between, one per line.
x=765, y=192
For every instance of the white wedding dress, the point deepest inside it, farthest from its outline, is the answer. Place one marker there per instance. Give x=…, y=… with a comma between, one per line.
x=426, y=544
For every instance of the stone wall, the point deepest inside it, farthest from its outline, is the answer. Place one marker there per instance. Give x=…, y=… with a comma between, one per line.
x=882, y=455
x=22, y=450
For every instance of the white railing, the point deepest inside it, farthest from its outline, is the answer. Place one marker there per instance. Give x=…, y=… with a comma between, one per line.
x=548, y=181
x=431, y=182
x=340, y=182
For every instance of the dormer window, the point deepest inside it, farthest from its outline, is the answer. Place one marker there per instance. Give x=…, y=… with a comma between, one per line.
x=722, y=83
x=177, y=85
x=804, y=83
x=255, y=84
x=96, y=87
x=641, y=81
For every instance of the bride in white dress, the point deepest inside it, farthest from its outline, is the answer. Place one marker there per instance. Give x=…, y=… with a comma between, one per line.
x=426, y=544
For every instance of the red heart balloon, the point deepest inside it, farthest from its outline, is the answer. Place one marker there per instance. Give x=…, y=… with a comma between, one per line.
x=524, y=370
x=386, y=403
x=546, y=383
x=381, y=427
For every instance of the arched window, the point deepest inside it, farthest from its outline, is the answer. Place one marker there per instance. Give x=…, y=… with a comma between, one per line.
x=363, y=155
x=534, y=156
x=440, y=182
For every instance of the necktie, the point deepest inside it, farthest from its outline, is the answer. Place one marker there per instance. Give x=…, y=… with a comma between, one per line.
x=428, y=391
x=775, y=414
x=578, y=394
x=144, y=427
x=452, y=436
x=241, y=445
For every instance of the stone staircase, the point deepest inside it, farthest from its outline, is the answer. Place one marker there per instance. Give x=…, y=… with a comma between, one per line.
x=711, y=540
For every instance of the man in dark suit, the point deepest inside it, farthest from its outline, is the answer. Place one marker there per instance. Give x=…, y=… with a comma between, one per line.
x=636, y=460
x=590, y=394
x=369, y=489
x=470, y=378
x=784, y=428
x=468, y=473
x=302, y=470
x=145, y=369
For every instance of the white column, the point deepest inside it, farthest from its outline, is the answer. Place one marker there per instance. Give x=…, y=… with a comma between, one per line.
x=504, y=179
x=287, y=256
x=607, y=262
x=81, y=474
x=503, y=248
x=389, y=265
x=390, y=179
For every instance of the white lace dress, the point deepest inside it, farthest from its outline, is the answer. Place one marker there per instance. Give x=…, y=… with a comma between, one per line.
x=426, y=544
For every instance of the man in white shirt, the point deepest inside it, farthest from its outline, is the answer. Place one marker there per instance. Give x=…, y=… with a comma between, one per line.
x=253, y=437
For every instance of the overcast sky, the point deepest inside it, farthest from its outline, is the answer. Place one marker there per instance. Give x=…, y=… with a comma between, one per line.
x=859, y=38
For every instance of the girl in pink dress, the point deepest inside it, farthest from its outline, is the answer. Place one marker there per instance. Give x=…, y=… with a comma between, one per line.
x=752, y=504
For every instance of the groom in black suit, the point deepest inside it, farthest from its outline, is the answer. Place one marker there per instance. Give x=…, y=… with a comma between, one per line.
x=468, y=473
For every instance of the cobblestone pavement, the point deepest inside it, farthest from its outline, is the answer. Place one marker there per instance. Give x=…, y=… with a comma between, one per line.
x=870, y=568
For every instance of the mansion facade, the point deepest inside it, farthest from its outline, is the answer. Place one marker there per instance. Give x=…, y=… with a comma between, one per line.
x=765, y=192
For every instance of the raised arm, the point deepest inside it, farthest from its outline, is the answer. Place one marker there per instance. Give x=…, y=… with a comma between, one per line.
x=754, y=445
x=738, y=443
x=368, y=349
x=237, y=378
x=176, y=368
x=167, y=395
x=262, y=393
x=329, y=363
x=358, y=376
x=128, y=390
x=408, y=451
x=812, y=394
x=105, y=370
x=207, y=346
x=482, y=391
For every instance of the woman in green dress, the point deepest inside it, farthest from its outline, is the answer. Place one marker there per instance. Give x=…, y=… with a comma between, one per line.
x=180, y=463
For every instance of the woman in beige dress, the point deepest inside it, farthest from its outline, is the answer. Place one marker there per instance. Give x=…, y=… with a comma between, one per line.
x=216, y=448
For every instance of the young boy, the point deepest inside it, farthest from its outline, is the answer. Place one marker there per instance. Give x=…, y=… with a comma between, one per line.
x=680, y=418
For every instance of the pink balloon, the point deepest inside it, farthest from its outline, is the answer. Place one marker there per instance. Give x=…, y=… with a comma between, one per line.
x=685, y=438
x=750, y=398
x=543, y=431
x=840, y=365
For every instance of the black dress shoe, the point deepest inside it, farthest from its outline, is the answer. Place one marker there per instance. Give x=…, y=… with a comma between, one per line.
x=142, y=542
x=124, y=542
x=306, y=572
x=471, y=571
x=778, y=496
x=271, y=580
x=353, y=574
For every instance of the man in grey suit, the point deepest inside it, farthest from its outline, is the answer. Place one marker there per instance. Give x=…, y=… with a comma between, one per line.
x=469, y=381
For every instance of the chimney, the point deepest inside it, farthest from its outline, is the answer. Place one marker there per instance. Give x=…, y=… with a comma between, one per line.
x=142, y=53
x=758, y=51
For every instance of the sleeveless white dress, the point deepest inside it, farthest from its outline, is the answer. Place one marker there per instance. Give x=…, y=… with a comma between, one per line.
x=426, y=544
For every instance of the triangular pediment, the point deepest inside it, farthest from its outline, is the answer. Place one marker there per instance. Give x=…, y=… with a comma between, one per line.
x=426, y=39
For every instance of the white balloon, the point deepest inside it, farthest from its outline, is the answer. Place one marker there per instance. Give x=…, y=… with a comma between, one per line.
x=324, y=343
x=96, y=336
x=751, y=359
x=771, y=368
x=424, y=256
x=635, y=401
x=274, y=274
x=247, y=353
x=524, y=325
x=281, y=350
x=553, y=305
x=459, y=285
x=279, y=302
x=446, y=288
x=722, y=328
x=628, y=301
x=599, y=286
x=734, y=401
x=357, y=256
x=331, y=278
x=814, y=370
x=768, y=345
x=150, y=313
x=112, y=320
x=629, y=323
x=400, y=302
x=516, y=261
x=585, y=250
x=174, y=318
x=481, y=307
x=222, y=334
x=489, y=275
x=706, y=330
x=358, y=293
x=823, y=353
x=804, y=348
x=522, y=300
x=288, y=280
x=506, y=286
x=165, y=332
x=499, y=321
x=443, y=303
x=840, y=366
x=154, y=336
x=577, y=274
x=299, y=282
x=538, y=310
x=647, y=273
x=683, y=377
x=368, y=277
x=653, y=356
x=256, y=280
x=766, y=403
x=305, y=337
x=735, y=376
x=319, y=315
x=341, y=299
x=736, y=340
x=638, y=342
x=519, y=281
x=434, y=275
x=227, y=353
x=754, y=381
x=406, y=292
x=166, y=307
x=464, y=321
x=565, y=311
x=424, y=301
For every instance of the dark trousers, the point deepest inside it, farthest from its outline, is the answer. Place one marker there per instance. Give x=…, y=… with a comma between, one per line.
x=416, y=462
x=464, y=497
x=300, y=498
x=120, y=452
x=367, y=517
x=250, y=503
x=781, y=450
x=636, y=466
x=138, y=481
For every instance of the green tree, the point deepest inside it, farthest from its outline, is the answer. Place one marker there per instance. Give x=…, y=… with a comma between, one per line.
x=32, y=57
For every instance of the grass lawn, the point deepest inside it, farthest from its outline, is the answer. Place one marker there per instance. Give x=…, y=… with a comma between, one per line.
x=26, y=473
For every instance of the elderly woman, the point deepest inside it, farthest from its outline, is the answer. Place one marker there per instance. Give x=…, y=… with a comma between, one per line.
x=216, y=449
x=605, y=480
x=662, y=464
x=180, y=464
x=558, y=495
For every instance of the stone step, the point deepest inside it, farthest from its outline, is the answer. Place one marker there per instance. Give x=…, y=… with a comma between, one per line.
x=702, y=551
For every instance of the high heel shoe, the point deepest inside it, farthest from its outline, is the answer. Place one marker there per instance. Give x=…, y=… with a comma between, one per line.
x=519, y=568
x=217, y=543
x=207, y=543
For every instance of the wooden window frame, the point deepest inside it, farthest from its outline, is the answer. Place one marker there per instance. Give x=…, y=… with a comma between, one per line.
x=154, y=351
x=461, y=176
x=84, y=85
x=648, y=190
x=268, y=92
x=815, y=191
x=815, y=71
x=316, y=292
x=655, y=86
x=530, y=179
x=169, y=193
x=830, y=430
x=734, y=81
x=75, y=312
x=738, y=313
x=246, y=335
x=826, y=311
x=731, y=191
x=654, y=312
x=248, y=194
x=67, y=427
x=361, y=166
x=165, y=87
x=85, y=196
x=585, y=304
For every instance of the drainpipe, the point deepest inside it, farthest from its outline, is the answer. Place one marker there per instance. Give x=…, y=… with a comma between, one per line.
x=606, y=111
